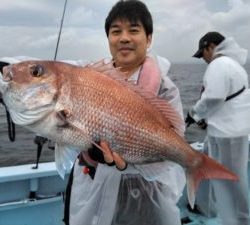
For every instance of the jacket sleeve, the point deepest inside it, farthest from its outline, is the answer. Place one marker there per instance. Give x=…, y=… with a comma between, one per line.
x=216, y=89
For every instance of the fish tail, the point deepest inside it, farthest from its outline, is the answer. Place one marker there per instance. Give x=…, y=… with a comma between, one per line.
x=208, y=168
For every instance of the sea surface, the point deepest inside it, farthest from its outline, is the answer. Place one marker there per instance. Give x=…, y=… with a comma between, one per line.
x=187, y=77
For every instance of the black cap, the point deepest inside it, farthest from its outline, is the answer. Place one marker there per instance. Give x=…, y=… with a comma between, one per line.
x=210, y=37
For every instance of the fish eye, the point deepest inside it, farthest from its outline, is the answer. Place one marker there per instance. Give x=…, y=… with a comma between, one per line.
x=37, y=70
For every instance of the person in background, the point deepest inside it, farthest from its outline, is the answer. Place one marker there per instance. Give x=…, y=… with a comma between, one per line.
x=225, y=106
x=100, y=193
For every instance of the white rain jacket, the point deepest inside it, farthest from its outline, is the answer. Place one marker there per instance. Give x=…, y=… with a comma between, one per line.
x=225, y=76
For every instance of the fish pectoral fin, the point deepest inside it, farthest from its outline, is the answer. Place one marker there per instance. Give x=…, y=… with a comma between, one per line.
x=102, y=145
x=62, y=117
x=86, y=136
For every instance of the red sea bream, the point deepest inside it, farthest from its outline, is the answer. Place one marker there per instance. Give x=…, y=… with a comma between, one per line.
x=76, y=106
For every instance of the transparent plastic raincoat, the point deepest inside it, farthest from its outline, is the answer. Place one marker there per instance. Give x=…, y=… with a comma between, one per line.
x=145, y=194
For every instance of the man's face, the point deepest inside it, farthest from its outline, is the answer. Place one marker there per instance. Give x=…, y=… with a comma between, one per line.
x=128, y=43
x=208, y=53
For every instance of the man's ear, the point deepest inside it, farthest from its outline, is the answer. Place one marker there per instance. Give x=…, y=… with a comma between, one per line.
x=149, y=40
x=212, y=46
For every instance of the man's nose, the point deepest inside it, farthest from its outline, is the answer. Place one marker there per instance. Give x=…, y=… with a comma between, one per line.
x=125, y=37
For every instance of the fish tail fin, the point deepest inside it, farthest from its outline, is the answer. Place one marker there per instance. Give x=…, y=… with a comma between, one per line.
x=208, y=168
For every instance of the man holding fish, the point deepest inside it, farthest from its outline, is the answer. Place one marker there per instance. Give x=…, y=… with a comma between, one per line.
x=126, y=197
x=112, y=113
x=125, y=193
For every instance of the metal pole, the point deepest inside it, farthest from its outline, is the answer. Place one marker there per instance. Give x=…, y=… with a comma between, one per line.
x=59, y=35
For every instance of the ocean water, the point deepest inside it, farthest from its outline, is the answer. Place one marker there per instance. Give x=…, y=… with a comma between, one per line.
x=187, y=77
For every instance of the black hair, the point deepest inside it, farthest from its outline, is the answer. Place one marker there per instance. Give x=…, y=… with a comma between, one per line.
x=132, y=10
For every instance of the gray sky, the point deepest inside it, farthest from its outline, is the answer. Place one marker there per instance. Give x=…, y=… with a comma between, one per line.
x=30, y=27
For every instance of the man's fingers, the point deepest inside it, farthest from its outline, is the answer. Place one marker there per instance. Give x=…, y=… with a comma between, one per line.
x=119, y=161
x=107, y=153
x=111, y=157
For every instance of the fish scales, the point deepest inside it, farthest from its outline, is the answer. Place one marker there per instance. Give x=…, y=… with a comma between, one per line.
x=104, y=110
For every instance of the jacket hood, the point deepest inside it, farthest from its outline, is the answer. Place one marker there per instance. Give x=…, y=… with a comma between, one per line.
x=229, y=47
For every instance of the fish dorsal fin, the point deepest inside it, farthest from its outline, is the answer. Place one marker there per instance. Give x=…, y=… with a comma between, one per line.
x=102, y=67
x=164, y=107
x=161, y=105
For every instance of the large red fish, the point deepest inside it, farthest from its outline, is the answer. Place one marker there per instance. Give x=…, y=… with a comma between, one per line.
x=74, y=106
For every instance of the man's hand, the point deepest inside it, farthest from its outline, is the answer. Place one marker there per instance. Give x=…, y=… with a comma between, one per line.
x=110, y=157
x=189, y=120
x=202, y=124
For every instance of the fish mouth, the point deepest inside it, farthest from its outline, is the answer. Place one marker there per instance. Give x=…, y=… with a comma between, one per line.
x=7, y=75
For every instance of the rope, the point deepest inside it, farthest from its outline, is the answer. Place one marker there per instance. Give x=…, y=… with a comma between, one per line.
x=10, y=123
